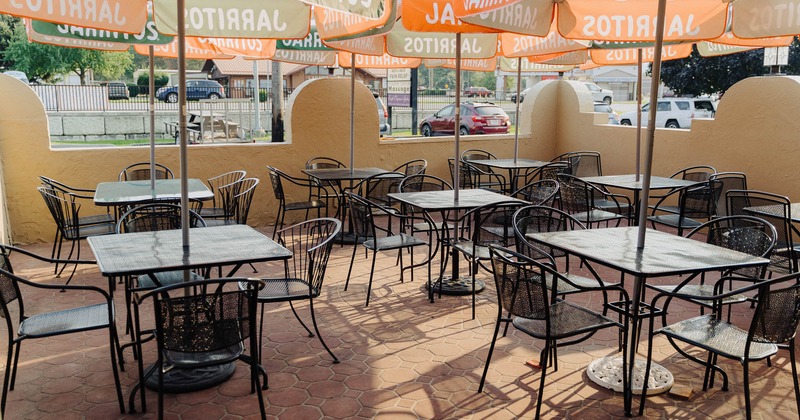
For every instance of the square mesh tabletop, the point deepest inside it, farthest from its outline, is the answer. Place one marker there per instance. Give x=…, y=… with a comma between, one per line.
x=664, y=254
x=132, y=192
x=445, y=200
x=629, y=182
x=343, y=174
x=508, y=163
x=147, y=252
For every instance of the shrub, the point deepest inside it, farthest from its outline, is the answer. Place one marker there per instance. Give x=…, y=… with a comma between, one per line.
x=143, y=81
x=133, y=90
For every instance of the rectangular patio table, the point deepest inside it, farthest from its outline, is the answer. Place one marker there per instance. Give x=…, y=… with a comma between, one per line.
x=444, y=201
x=628, y=182
x=149, y=252
x=134, y=192
x=513, y=167
x=664, y=254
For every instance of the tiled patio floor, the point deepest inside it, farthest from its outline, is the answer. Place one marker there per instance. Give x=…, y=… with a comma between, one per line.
x=401, y=357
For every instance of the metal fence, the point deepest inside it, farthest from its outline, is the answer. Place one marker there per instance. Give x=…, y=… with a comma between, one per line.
x=135, y=98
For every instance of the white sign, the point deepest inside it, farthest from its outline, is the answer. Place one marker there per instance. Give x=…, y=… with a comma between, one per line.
x=776, y=56
x=399, y=87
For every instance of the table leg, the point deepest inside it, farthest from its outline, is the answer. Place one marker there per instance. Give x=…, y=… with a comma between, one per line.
x=454, y=284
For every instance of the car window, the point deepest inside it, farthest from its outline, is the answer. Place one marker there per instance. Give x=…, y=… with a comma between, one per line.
x=592, y=87
x=683, y=106
x=191, y=84
x=447, y=111
x=704, y=105
x=489, y=110
x=465, y=110
x=645, y=107
x=663, y=106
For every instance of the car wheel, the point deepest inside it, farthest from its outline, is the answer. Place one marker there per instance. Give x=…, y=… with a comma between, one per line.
x=607, y=100
x=464, y=131
x=213, y=95
x=426, y=130
x=172, y=97
x=625, y=122
x=672, y=124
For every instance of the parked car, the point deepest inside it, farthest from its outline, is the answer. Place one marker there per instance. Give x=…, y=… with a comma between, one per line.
x=521, y=95
x=478, y=91
x=599, y=94
x=195, y=89
x=673, y=112
x=118, y=90
x=19, y=75
x=604, y=108
x=383, y=116
x=476, y=118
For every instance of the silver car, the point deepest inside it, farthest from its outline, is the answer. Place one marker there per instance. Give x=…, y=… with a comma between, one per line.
x=383, y=115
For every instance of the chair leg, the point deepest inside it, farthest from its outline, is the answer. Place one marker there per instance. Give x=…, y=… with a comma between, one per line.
x=544, y=362
x=310, y=334
x=489, y=356
x=371, y=274
x=278, y=222
x=113, y=343
x=350, y=270
x=746, y=372
x=14, y=366
x=316, y=328
x=794, y=374
x=9, y=368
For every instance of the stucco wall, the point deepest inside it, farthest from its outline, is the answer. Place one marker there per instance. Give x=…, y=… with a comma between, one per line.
x=754, y=132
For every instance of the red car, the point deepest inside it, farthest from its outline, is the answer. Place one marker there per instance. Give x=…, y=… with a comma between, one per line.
x=476, y=118
x=473, y=91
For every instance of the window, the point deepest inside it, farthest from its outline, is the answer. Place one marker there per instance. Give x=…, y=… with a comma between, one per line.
x=703, y=105
x=664, y=106
x=447, y=111
x=683, y=106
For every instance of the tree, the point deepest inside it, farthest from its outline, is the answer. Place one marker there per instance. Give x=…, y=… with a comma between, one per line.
x=46, y=62
x=7, y=24
x=698, y=75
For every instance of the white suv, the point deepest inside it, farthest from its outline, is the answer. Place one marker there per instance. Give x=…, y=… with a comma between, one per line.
x=599, y=94
x=673, y=112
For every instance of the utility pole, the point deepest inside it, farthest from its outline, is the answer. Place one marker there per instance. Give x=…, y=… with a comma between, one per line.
x=277, y=103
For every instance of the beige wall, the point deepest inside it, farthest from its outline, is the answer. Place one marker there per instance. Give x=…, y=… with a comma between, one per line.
x=754, y=132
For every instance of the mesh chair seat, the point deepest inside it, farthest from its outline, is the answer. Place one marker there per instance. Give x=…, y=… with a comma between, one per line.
x=565, y=288
x=165, y=278
x=94, y=219
x=186, y=360
x=675, y=220
x=467, y=247
x=303, y=205
x=279, y=290
x=212, y=212
x=700, y=290
x=717, y=335
x=595, y=216
x=566, y=320
x=66, y=321
x=398, y=241
x=73, y=232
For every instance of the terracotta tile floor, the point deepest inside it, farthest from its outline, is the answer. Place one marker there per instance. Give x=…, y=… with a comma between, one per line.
x=401, y=357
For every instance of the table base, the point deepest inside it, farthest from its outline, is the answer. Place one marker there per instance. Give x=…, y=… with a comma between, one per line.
x=177, y=381
x=607, y=372
x=458, y=286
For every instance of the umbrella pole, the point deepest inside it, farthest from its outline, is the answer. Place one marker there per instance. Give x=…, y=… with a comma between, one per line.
x=516, y=126
x=639, y=115
x=352, y=110
x=182, y=128
x=152, y=112
x=651, y=123
x=457, y=128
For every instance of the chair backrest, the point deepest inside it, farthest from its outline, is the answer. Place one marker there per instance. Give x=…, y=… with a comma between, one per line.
x=477, y=154
x=219, y=181
x=324, y=163
x=206, y=315
x=775, y=209
x=521, y=289
x=65, y=188
x=242, y=200
x=540, y=219
x=777, y=313
x=64, y=209
x=729, y=181
x=141, y=171
x=464, y=174
x=585, y=163
x=491, y=223
x=275, y=176
x=153, y=217
x=413, y=167
x=700, y=201
x=698, y=173
x=540, y=193
x=376, y=188
x=576, y=194
x=747, y=234
x=311, y=242
x=361, y=215
x=548, y=171
x=9, y=289
x=416, y=183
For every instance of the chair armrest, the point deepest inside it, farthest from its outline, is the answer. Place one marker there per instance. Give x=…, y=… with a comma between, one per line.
x=755, y=285
x=61, y=287
x=11, y=249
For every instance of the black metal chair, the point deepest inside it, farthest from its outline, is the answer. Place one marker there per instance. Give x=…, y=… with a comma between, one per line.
x=66, y=212
x=580, y=199
x=23, y=325
x=413, y=167
x=774, y=323
x=729, y=181
x=331, y=189
x=205, y=323
x=540, y=193
x=582, y=163
x=387, y=237
x=219, y=185
x=376, y=188
x=306, y=195
x=523, y=301
x=697, y=173
x=777, y=210
x=472, y=176
x=547, y=171
x=694, y=202
x=237, y=199
x=490, y=224
x=324, y=163
x=141, y=171
x=311, y=242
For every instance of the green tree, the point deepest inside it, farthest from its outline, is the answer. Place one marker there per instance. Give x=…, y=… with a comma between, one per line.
x=698, y=75
x=46, y=62
x=7, y=24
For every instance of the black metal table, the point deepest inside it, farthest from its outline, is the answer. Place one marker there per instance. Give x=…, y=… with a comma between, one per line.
x=133, y=192
x=664, y=254
x=512, y=166
x=334, y=178
x=630, y=183
x=149, y=252
x=442, y=202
